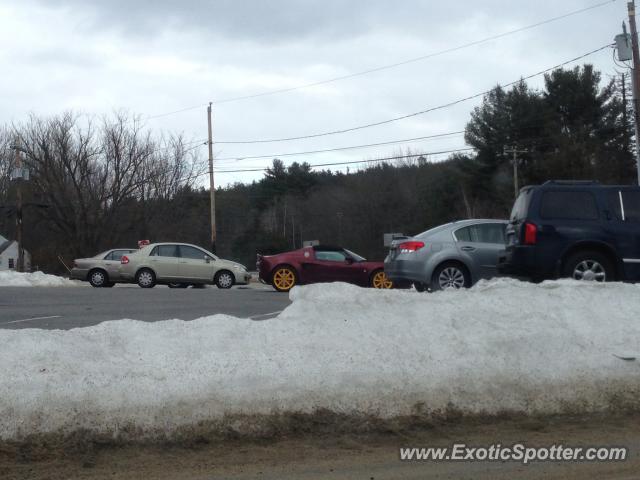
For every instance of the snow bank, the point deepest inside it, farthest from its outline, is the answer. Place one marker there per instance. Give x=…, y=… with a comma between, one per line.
x=9, y=278
x=502, y=346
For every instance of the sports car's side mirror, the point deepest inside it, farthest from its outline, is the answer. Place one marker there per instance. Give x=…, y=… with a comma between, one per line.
x=349, y=261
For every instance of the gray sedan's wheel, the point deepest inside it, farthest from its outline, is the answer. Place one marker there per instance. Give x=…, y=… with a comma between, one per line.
x=98, y=278
x=450, y=276
x=589, y=266
x=146, y=278
x=224, y=279
x=420, y=287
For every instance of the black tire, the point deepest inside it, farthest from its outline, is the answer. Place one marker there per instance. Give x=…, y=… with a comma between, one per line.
x=98, y=278
x=453, y=274
x=420, y=287
x=224, y=279
x=110, y=285
x=589, y=265
x=145, y=278
x=177, y=285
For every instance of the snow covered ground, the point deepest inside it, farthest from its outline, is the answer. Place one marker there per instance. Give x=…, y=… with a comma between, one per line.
x=503, y=346
x=10, y=278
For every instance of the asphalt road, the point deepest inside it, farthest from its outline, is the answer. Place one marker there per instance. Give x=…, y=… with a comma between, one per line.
x=73, y=307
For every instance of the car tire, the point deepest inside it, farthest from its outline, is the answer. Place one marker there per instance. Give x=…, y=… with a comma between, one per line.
x=284, y=278
x=110, y=285
x=145, y=278
x=589, y=265
x=224, y=279
x=420, y=287
x=380, y=280
x=98, y=278
x=450, y=275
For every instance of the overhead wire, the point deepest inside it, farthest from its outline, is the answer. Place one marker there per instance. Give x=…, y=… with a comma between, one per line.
x=392, y=65
x=415, y=114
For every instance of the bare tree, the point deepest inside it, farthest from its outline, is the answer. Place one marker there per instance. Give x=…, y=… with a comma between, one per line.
x=92, y=178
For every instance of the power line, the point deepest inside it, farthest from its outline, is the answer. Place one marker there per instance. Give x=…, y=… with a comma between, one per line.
x=421, y=112
x=338, y=149
x=358, y=161
x=392, y=65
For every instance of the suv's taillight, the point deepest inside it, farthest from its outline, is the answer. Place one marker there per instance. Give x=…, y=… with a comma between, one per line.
x=408, y=247
x=530, y=234
x=124, y=260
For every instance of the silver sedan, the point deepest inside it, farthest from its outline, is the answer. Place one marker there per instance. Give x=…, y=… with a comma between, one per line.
x=454, y=255
x=180, y=264
x=101, y=270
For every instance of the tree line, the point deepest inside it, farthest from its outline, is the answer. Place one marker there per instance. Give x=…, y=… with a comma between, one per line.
x=101, y=184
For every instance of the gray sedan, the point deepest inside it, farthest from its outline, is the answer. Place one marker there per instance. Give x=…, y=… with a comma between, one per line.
x=101, y=270
x=454, y=255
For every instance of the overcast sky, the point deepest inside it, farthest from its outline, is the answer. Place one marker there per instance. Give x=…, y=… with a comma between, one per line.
x=154, y=57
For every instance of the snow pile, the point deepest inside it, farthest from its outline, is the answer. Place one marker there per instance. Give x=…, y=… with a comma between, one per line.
x=9, y=278
x=501, y=346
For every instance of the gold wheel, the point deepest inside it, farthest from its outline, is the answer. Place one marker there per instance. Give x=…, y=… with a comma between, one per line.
x=380, y=280
x=284, y=278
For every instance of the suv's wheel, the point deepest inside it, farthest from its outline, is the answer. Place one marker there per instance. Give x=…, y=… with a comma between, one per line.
x=589, y=266
x=146, y=278
x=98, y=278
x=450, y=275
x=224, y=279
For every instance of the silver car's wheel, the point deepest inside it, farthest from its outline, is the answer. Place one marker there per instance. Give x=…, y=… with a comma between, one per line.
x=146, y=279
x=451, y=277
x=98, y=278
x=224, y=279
x=590, y=270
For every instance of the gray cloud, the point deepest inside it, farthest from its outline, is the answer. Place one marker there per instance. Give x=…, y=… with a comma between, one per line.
x=290, y=20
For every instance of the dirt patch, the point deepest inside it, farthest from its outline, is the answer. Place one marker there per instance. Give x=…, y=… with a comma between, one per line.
x=322, y=445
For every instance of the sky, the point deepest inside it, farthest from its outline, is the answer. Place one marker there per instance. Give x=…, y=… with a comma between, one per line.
x=166, y=60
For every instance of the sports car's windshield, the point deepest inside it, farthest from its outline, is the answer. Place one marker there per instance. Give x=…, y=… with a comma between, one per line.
x=355, y=256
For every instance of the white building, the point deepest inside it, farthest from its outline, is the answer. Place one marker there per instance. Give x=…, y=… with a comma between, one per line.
x=9, y=255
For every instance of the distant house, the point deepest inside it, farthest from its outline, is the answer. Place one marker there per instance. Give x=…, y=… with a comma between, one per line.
x=9, y=255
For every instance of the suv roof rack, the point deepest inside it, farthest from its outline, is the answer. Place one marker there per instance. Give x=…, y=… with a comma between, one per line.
x=571, y=182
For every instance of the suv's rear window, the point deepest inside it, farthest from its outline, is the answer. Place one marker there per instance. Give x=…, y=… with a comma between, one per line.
x=521, y=206
x=631, y=201
x=569, y=205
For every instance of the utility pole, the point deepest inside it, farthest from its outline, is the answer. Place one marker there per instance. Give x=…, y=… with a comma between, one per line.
x=18, y=168
x=513, y=150
x=631, y=7
x=212, y=189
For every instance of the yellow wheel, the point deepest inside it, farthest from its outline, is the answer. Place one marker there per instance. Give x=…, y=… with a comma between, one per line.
x=284, y=278
x=380, y=280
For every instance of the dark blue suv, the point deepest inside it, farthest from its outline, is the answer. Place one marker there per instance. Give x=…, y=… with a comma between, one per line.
x=580, y=230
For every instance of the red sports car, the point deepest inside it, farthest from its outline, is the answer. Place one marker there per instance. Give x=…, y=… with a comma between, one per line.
x=320, y=264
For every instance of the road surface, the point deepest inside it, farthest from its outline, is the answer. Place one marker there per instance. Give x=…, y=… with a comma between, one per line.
x=73, y=307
